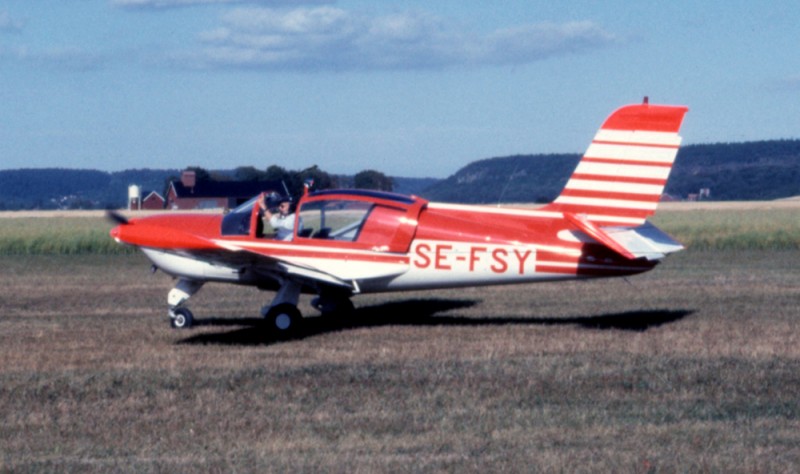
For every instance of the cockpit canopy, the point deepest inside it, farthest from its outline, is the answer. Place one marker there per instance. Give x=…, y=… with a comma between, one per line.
x=354, y=218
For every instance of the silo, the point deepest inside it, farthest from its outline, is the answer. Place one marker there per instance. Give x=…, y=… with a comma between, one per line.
x=134, y=197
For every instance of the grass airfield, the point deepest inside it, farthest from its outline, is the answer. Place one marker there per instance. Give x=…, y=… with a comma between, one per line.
x=694, y=366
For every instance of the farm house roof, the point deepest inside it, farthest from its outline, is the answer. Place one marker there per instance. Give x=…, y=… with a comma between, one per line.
x=230, y=189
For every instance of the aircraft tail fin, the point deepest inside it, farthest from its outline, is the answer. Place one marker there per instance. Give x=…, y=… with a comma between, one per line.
x=621, y=177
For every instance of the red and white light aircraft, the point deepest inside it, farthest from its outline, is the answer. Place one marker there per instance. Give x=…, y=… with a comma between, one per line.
x=348, y=242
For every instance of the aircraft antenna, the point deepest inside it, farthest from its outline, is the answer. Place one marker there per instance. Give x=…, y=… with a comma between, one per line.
x=508, y=182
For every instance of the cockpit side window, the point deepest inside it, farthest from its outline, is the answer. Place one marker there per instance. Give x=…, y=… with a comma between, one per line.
x=334, y=219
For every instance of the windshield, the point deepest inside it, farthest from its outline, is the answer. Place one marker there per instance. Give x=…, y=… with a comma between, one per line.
x=237, y=222
x=246, y=207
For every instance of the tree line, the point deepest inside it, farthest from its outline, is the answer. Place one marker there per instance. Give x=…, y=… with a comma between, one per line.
x=295, y=179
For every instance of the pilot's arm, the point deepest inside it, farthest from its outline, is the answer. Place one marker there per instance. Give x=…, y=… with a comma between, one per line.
x=265, y=216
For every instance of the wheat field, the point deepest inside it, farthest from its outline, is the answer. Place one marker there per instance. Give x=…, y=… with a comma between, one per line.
x=694, y=366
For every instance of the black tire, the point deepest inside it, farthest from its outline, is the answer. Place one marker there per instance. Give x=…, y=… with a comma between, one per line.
x=284, y=319
x=333, y=306
x=181, y=318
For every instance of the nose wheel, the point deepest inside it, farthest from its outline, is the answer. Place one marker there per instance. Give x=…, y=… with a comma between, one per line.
x=181, y=318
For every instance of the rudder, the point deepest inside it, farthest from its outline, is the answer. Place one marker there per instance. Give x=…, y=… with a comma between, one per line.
x=621, y=177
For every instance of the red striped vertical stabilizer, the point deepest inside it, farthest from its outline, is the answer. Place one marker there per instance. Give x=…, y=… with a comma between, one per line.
x=620, y=179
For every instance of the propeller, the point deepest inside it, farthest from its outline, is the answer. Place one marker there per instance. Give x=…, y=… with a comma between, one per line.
x=116, y=217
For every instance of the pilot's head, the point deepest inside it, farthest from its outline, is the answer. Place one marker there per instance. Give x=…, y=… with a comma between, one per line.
x=284, y=206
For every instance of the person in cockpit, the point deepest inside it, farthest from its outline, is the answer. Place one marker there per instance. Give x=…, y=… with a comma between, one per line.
x=282, y=221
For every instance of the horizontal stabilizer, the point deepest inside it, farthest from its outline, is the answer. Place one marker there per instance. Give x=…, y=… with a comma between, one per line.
x=645, y=241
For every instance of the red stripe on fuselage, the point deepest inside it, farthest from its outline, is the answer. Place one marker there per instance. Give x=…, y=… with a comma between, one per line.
x=291, y=250
x=602, y=211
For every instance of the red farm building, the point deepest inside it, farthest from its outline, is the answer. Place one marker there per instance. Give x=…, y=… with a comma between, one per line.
x=188, y=193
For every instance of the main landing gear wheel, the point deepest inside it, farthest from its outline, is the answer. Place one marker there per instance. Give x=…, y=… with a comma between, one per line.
x=284, y=319
x=340, y=306
x=181, y=318
x=337, y=307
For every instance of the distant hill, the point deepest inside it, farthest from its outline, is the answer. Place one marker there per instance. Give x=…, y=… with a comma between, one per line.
x=519, y=178
x=413, y=185
x=732, y=171
x=749, y=171
x=56, y=188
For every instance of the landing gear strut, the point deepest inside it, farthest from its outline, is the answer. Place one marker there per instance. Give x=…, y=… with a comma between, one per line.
x=179, y=316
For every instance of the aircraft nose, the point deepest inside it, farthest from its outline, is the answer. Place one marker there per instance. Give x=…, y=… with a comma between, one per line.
x=115, y=233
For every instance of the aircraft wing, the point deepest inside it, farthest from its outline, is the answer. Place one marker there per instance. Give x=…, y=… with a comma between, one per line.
x=270, y=259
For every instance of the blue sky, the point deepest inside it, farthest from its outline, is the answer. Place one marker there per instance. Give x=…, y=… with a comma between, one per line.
x=409, y=88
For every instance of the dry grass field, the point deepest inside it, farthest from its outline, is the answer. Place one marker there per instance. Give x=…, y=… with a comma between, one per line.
x=693, y=367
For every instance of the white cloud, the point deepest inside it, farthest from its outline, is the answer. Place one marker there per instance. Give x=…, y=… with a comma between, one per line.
x=326, y=37
x=538, y=41
x=161, y=4
x=296, y=21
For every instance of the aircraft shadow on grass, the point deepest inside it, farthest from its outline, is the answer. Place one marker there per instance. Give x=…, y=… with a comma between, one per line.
x=419, y=312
